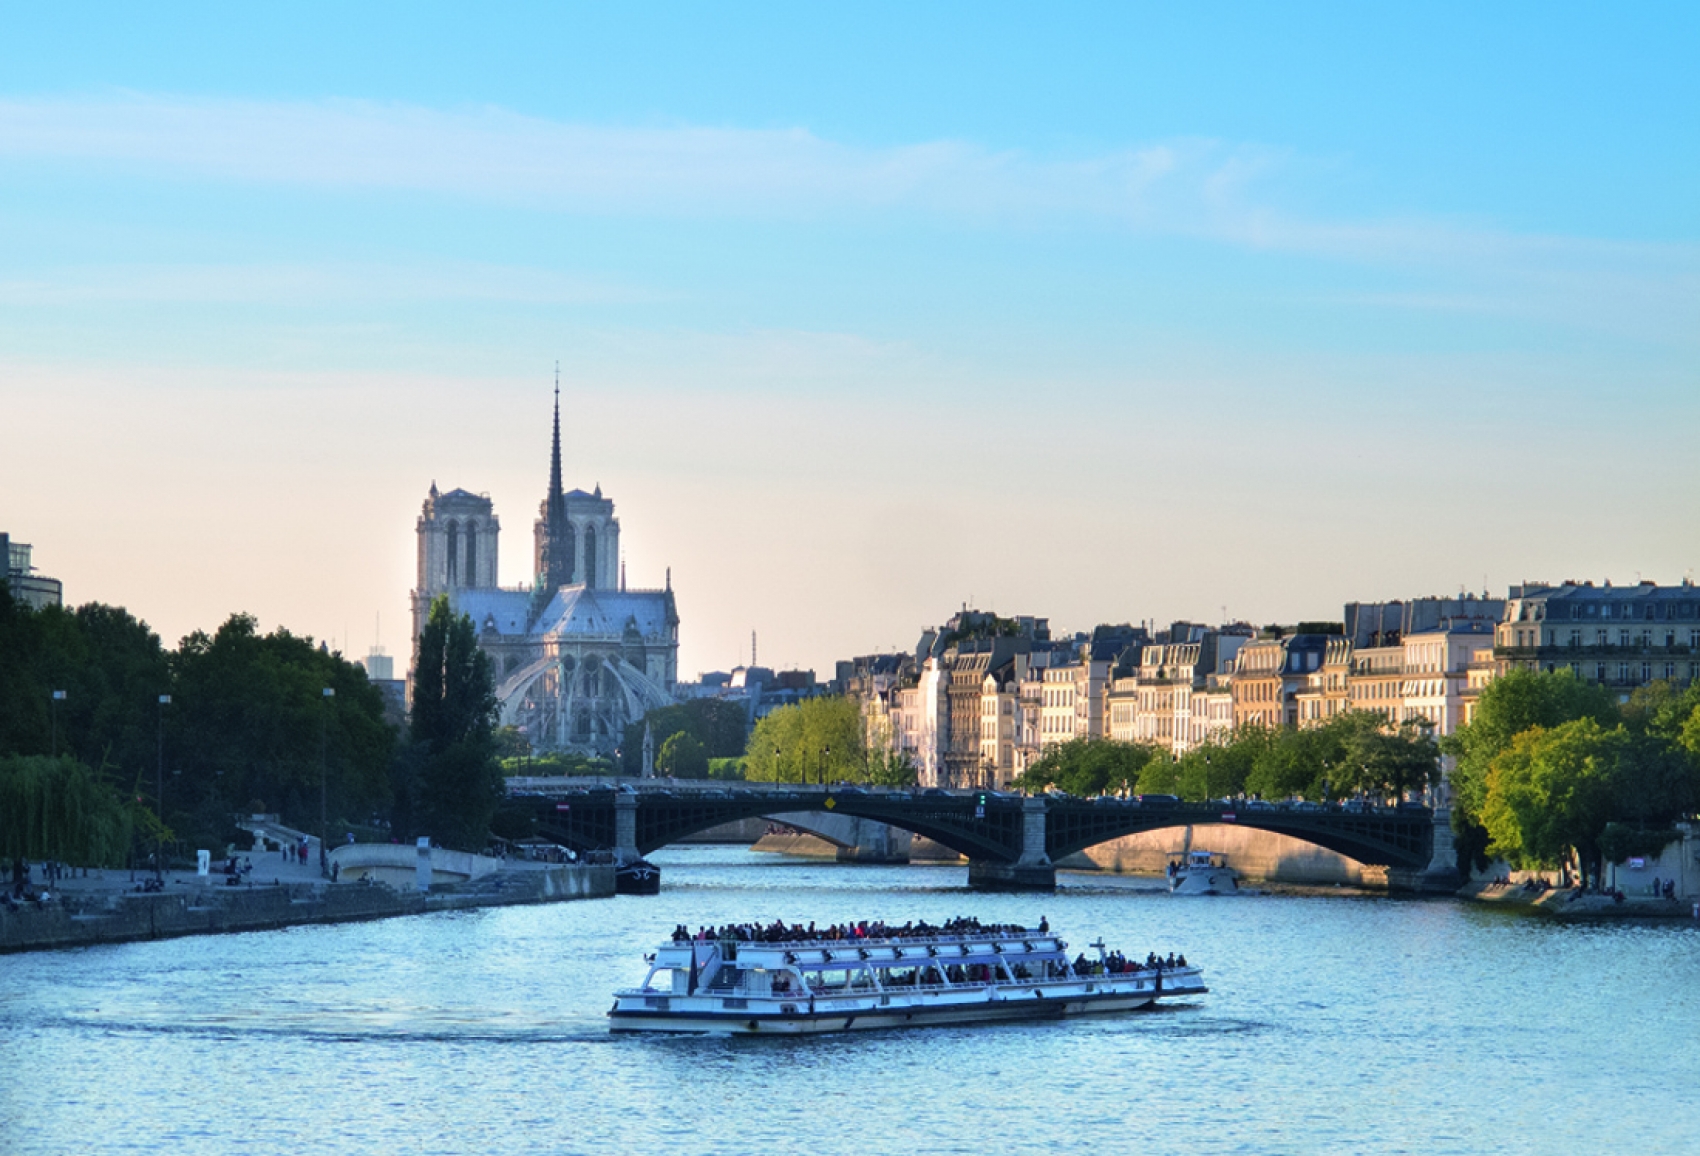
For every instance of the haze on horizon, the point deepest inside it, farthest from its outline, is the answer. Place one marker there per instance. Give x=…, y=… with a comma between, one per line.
x=1103, y=313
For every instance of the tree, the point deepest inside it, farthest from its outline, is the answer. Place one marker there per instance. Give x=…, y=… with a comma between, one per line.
x=1510, y=705
x=1087, y=767
x=682, y=757
x=60, y=809
x=816, y=740
x=1555, y=793
x=453, y=781
x=1551, y=793
x=249, y=722
x=721, y=728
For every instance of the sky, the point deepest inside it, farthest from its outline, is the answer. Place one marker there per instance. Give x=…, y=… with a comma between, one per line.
x=1102, y=313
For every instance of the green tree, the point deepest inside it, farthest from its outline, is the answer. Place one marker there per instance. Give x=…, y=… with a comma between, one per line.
x=721, y=727
x=451, y=778
x=1510, y=705
x=1087, y=767
x=818, y=739
x=60, y=809
x=249, y=723
x=1551, y=793
x=682, y=757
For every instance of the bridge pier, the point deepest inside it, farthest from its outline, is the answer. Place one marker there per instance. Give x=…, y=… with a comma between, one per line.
x=1033, y=871
x=625, y=828
x=873, y=842
x=1441, y=874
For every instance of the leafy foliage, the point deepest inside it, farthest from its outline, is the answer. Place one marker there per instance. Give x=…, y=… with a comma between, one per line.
x=1509, y=705
x=1354, y=753
x=450, y=780
x=249, y=723
x=683, y=757
x=720, y=727
x=816, y=740
x=1089, y=767
x=60, y=809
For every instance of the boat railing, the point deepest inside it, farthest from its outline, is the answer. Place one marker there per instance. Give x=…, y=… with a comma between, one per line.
x=847, y=944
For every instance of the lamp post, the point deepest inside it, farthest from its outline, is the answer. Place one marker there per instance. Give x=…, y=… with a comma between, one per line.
x=324, y=728
x=53, y=709
x=159, y=795
x=776, y=775
x=825, y=757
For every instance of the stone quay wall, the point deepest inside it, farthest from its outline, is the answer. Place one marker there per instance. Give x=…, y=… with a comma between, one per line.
x=127, y=916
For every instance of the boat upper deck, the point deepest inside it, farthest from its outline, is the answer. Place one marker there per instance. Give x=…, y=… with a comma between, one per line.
x=903, y=952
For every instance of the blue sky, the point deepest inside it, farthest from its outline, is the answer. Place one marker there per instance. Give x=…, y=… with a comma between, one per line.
x=1101, y=312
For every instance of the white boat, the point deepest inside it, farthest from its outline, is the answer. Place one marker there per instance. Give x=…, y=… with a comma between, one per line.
x=729, y=986
x=1202, y=873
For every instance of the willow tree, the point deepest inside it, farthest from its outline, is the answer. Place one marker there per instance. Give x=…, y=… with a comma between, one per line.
x=60, y=809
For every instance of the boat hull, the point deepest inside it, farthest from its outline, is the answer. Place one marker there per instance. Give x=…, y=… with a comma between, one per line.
x=638, y=877
x=1016, y=1006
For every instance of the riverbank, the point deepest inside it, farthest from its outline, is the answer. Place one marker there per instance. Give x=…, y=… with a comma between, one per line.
x=1559, y=903
x=106, y=908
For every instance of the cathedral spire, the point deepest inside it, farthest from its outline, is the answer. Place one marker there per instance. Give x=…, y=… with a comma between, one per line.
x=554, y=497
x=555, y=545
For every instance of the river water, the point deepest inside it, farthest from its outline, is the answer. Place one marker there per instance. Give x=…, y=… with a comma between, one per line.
x=1336, y=1023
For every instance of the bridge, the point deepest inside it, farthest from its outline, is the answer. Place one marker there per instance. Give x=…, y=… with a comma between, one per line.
x=1010, y=842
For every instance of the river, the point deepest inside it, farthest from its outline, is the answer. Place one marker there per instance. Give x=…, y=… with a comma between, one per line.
x=1336, y=1023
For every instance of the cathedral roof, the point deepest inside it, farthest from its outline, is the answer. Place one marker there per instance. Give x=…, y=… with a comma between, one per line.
x=578, y=610
x=508, y=608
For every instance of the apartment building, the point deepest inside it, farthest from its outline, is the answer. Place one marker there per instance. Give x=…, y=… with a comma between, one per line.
x=1621, y=637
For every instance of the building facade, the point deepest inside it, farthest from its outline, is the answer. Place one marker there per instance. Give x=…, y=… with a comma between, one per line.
x=1620, y=637
x=25, y=585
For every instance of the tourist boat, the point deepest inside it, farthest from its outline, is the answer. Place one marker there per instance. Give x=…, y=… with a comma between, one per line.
x=1202, y=873
x=740, y=987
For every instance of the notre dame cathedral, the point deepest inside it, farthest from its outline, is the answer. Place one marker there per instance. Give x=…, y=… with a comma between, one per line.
x=576, y=655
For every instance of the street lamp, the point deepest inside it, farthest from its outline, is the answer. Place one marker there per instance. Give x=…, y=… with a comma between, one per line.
x=324, y=726
x=159, y=795
x=58, y=697
x=825, y=757
x=776, y=776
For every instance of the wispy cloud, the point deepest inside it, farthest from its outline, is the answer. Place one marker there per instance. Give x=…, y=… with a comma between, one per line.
x=495, y=154
x=332, y=283
x=1224, y=192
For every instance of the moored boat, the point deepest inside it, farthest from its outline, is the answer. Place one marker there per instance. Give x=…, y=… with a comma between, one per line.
x=724, y=984
x=637, y=877
x=1202, y=873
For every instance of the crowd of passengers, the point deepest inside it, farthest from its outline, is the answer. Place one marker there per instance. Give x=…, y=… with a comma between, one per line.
x=781, y=932
x=1047, y=970
x=1115, y=963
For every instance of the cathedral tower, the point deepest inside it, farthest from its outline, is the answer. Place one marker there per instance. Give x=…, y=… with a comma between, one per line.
x=457, y=534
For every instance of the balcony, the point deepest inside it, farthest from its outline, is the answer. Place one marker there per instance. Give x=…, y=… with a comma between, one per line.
x=1608, y=652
